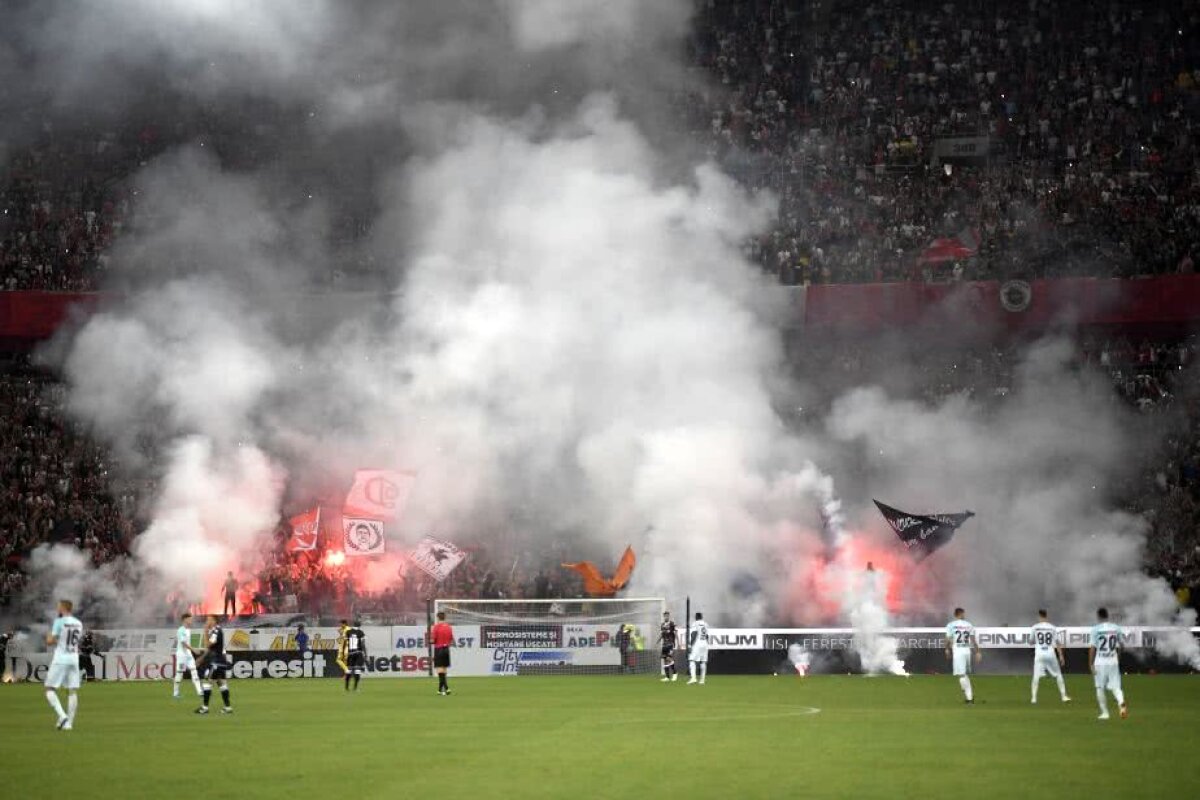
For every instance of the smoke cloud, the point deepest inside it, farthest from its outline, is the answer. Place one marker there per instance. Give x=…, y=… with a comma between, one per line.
x=569, y=346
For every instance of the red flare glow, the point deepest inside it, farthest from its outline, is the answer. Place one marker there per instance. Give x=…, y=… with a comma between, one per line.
x=821, y=580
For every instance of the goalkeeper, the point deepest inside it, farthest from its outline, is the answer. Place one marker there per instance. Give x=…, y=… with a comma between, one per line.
x=343, y=648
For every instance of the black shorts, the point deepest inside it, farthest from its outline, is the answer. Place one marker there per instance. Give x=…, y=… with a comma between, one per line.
x=356, y=662
x=668, y=651
x=441, y=657
x=215, y=669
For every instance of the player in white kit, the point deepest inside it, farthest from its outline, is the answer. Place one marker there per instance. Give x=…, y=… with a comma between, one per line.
x=185, y=655
x=65, y=635
x=960, y=644
x=698, y=650
x=1106, y=641
x=1047, y=656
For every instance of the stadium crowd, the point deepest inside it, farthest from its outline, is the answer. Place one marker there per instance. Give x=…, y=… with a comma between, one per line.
x=54, y=477
x=1081, y=117
x=1086, y=110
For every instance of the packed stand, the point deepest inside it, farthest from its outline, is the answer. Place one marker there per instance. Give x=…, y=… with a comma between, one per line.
x=838, y=108
x=55, y=478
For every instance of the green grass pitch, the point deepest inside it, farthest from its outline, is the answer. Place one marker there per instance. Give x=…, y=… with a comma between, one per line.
x=596, y=737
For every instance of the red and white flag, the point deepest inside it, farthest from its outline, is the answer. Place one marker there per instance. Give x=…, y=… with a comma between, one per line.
x=378, y=494
x=362, y=537
x=306, y=530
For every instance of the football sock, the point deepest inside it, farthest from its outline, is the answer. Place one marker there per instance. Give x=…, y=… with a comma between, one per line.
x=72, y=705
x=703, y=670
x=965, y=683
x=664, y=669
x=207, y=696
x=196, y=683
x=224, y=696
x=441, y=681
x=347, y=679
x=1062, y=686
x=178, y=680
x=1120, y=695
x=1033, y=689
x=692, y=670
x=356, y=677
x=1102, y=700
x=55, y=703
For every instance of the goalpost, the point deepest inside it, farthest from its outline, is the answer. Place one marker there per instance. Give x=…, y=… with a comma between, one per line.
x=561, y=637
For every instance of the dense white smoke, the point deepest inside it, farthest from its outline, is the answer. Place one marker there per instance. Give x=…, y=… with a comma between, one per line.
x=1038, y=469
x=859, y=591
x=595, y=337
x=578, y=347
x=572, y=344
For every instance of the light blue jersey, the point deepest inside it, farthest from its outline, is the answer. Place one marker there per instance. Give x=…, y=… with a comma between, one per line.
x=183, y=638
x=1045, y=637
x=961, y=634
x=1107, y=639
x=69, y=632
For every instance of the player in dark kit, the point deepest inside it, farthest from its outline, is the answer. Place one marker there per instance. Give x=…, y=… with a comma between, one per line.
x=214, y=665
x=356, y=653
x=668, y=635
x=442, y=637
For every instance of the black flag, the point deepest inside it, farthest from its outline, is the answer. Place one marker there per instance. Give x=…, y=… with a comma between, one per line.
x=922, y=534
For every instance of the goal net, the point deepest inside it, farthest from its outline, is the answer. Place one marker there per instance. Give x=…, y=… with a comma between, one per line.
x=561, y=637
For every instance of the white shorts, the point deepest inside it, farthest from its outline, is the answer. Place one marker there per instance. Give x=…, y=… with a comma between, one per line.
x=1108, y=676
x=1046, y=665
x=62, y=675
x=962, y=661
x=699, y=654
x=184, y=663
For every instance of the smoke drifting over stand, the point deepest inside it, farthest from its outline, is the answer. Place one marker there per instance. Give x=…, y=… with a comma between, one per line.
x=568, y=341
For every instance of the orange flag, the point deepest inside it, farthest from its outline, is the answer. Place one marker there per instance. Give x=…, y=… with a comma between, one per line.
x=595, y=584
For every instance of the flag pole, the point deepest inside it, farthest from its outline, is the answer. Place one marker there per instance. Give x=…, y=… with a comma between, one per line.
x=429, y=632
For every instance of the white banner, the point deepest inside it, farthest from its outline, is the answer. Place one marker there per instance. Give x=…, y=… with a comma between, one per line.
x=436, y=557
x=362, y=537
x=397, y=651
x=916, y=638
x=378, y=494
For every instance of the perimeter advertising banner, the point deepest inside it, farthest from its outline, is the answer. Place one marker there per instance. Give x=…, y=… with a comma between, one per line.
x=915, y=638
x=392, y=651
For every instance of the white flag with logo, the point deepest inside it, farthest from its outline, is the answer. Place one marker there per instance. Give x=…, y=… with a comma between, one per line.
x=437, y=558
x=362, y=537
x=378, y=494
